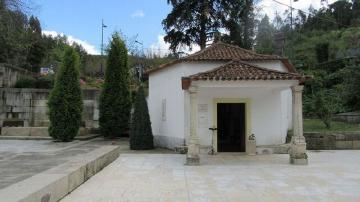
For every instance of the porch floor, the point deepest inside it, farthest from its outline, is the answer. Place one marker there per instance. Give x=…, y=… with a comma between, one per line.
x=330, y=176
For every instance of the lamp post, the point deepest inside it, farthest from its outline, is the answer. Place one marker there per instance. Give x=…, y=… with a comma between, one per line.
x=102, y=44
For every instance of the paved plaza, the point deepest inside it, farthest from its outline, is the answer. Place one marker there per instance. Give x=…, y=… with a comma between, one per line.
x=330, y=176
x=21, y=159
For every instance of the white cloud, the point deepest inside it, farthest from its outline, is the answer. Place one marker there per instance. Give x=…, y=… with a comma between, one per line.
x=160, y=47
x=90, y=49
x=138, y=14
x=269, y=7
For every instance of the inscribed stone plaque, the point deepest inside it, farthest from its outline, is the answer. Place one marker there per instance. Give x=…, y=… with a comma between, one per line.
x=203, y=118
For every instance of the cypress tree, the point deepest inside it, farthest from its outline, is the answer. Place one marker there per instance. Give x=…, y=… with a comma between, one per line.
x=65, y=100
x=141, y=134
x=115, y=103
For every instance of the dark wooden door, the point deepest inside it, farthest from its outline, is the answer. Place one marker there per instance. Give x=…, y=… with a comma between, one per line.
x=231, y=127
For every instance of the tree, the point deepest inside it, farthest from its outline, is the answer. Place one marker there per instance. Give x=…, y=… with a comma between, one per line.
x=115, y=102
x=141, y=136
x=322, y=52
x=351, y=75
x=238, y=17
x=190, y=21
x=37, y=49
x=265, y=37
x=65, y=100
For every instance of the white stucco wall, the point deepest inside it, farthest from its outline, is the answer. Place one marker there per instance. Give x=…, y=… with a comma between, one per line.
x=268, y=109
x=166, y=85
x=270, y=64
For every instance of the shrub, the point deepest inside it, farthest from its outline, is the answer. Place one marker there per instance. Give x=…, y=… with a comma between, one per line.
x=115, y=103
x=141, y=134
x=26, y=82
x=45, y=82
x=65, y=100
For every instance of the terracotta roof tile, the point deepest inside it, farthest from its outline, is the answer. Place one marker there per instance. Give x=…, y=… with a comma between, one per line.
x=223, y=51
x=239, y=70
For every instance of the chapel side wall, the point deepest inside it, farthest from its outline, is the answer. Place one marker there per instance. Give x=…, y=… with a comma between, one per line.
x=266, y=119
x=166, y=84
x=30, y=106
x=270, y=64
x=165, y=87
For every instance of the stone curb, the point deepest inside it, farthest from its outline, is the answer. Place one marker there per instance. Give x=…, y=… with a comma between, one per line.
x=56, y=183
x=81, y=137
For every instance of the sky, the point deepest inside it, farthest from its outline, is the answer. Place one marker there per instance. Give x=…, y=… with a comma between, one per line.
x=80, y=20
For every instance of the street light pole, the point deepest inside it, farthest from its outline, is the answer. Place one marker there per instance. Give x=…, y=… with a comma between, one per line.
x=102, y=43
x=291, y=18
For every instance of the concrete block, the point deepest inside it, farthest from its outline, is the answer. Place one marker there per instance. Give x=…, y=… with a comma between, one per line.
x=15, y=131
x=39, y=131
x=41, y=123
x=42, y=110
x=343, y=144
x=356, y=144
x=39, y=103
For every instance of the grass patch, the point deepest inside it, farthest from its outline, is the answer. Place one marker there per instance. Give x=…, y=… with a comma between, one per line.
x=316, y=125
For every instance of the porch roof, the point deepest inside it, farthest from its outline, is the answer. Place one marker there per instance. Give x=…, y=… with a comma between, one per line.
x=240, y=70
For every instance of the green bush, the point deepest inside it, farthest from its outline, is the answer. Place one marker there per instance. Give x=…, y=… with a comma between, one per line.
x=141, y=134
x=65, y=100
x=115, y=101
x=45, y=82
x=26, y=82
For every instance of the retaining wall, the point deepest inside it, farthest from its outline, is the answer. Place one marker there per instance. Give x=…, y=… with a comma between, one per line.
x=332, y=141
x=9, y=75
x=28, y=107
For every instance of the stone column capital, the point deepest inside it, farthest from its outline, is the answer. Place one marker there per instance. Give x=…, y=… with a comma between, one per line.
x=297, y=89
x=193, y=89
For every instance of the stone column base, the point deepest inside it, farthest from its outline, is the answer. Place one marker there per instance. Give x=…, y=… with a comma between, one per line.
x=192, y=160
x=251, y=148
x=297, y=161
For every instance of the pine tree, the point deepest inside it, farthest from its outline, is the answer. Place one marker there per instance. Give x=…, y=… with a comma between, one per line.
x=115, y=103
x=37, y=50
x=65, y=100
x=141, y=137
x=238, y=17
x=265, y=37
x=190, y=21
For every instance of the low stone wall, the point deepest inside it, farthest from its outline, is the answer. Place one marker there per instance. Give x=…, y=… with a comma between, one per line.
x=349, y=117
x=332, y=141
x=9, y=75
x=20, y=107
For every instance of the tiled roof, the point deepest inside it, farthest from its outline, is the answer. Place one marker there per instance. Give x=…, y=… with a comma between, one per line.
x=225, y=52
x=239, y=70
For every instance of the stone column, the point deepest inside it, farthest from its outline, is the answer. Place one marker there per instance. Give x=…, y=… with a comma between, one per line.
x=192, y=157
x=298, y=154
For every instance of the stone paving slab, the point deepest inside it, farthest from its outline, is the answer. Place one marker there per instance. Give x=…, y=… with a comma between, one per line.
x=330, y=176
x=21, y=159
x=55, y=183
